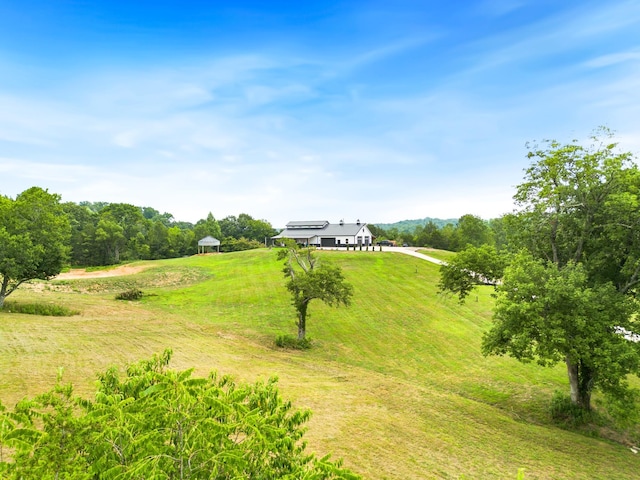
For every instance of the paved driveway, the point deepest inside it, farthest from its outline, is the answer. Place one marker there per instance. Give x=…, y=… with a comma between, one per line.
x=406, y=250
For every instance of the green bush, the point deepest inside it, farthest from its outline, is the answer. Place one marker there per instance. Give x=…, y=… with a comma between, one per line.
x=131, y=294
x=154, y=422
x=291, y=342
x=230, y=244
x=566, y=413
x=45, y=309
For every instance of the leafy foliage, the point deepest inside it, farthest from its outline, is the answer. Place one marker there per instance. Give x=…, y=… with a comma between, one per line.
x=159, y=423
x=566, y=413
x=453, y=234
x=473, y=266
x=308, y=280
x=407, y=226
x=569, y=294
x=231, y=244
x=105, y=234
x=293, y=343
x=33, y=239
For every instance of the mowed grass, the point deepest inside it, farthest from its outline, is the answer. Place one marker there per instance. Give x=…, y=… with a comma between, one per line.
x=396, y=382
x=439, y=254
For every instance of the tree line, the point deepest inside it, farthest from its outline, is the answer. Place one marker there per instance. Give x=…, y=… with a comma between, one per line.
x=110, y=233
x=453, y=235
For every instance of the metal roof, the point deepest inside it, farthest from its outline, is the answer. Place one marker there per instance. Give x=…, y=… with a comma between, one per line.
x=208, y=241
x=330, y=230
x=307, y=224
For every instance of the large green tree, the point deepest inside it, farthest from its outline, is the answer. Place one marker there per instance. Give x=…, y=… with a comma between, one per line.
x=34, y=236
x=472, y=230
x=126, y=232
x=568, y=295
x=83, y=228
x=154, y=422
x=310, y=280
x=208, y=227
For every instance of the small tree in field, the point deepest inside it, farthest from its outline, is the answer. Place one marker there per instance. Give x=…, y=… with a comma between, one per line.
x=310, y=280
x=34, y=233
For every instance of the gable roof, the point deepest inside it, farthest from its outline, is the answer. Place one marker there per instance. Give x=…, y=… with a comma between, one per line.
x=301, y=229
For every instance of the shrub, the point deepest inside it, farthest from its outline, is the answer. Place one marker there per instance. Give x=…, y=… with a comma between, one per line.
x=231, y=244
x=45, y=309
x=291, y=342
x=131, y=294
x=565, y=412
x=154, y=422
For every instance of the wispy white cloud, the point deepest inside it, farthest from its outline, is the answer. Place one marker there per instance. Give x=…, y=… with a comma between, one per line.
x=614, y=59
x=283, y=135
x=380, y=53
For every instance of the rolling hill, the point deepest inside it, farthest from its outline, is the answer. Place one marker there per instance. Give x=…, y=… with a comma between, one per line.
x=409, y=226
x=396, y=383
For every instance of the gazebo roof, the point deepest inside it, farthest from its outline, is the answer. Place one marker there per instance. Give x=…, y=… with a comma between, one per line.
x=208, y=241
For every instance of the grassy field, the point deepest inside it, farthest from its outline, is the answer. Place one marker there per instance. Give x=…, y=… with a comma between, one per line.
x=396, y=382
x=439, y=254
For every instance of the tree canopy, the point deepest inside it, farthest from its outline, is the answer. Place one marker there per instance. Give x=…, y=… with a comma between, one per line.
x=568, y=292
x=34, y=235
x=310, y=280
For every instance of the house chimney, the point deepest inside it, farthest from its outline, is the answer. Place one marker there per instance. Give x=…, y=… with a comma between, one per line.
x=342, y=221
x=358, y=222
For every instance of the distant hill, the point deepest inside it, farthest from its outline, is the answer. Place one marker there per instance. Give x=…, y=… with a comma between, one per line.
x=410, y=225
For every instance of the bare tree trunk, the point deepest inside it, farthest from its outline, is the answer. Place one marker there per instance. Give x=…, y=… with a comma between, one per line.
x=302, y=321
x=3, y=290
x=572, y=371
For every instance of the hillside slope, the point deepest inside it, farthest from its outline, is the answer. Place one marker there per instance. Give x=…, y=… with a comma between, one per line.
x=396, y=382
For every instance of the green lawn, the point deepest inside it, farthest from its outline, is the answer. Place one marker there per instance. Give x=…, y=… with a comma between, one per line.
x=396, y=382
x=439, y=254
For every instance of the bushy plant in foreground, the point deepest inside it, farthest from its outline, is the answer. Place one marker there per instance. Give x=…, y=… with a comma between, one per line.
x=158, y=423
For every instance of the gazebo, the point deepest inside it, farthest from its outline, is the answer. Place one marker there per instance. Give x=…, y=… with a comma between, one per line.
x=205, y=244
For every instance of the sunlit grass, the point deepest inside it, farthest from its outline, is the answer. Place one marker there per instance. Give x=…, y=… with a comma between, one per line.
x=439, y=254
x=396, y=382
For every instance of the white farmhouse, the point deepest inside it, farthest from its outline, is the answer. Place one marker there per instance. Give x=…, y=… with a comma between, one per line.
x=321, y=233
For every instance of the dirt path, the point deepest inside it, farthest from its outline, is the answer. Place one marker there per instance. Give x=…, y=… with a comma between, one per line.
x=77, y=273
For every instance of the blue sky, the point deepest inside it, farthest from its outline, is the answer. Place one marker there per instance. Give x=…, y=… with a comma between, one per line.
x=290, y=110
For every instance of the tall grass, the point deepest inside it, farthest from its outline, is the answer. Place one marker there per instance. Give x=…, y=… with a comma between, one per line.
x=44, y=309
